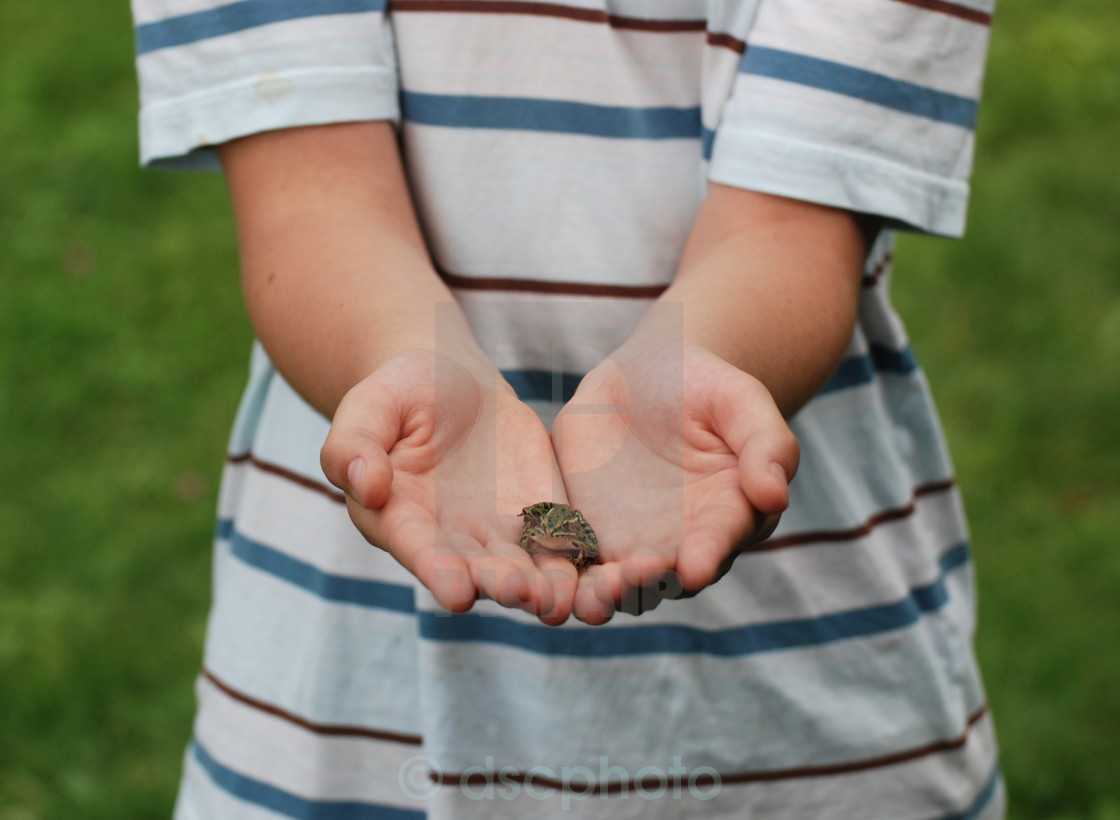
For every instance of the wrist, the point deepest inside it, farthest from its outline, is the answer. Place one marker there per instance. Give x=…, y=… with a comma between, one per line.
x=349, y=351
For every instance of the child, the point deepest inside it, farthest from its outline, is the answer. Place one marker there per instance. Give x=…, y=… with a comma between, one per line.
x=670, y=219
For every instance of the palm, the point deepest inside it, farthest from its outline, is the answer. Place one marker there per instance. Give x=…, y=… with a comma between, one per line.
x=463, y=457
x=652, y=468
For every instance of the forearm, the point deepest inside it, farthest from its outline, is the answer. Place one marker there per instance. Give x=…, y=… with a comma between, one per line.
x=336, y=275
x=770, y=285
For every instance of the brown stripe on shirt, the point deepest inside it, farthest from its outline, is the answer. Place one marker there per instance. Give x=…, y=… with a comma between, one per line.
x=952, y=9
x=341, y=730
x=276, y=470
x=871, y=278
x=547, y=10
x=618, y=21
x=726, y=41
x=738, y=778
x=485, y=283
x=825, y=536
x=792, y=540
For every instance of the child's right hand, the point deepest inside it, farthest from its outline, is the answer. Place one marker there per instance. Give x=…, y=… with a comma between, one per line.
x=437, y=458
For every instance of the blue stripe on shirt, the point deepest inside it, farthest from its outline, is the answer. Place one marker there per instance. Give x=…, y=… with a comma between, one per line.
x=707, y=141
x=861, y=84
x=559, y=116
x=854, y=371
x=234, y=17
x=284, y=802
x=982, y=799
x=541, y=385
x=608, y=642
x=897, y=362
x=604, y=641
x=331, y=587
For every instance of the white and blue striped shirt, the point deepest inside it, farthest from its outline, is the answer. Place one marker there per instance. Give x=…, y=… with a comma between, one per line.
x=558, y=153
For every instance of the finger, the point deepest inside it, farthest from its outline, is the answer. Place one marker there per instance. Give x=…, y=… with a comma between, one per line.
x=640, y=600
x=706, y=558
x=745, y=416
x=714, y=535
x=710, y=554
x=564, y=581
x=596, y=592
x=639, y=571
x=422, y=548
x=558, y=579
x=354, y=456
x=765, y=469
x=552, y=573
x=768, y=454
x=446, y=575
x=443, y=570
x=505, y=581
x=508, y=575
x=766, y=526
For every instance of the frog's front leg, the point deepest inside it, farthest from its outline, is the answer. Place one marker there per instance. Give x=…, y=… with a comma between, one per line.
x=528, y=543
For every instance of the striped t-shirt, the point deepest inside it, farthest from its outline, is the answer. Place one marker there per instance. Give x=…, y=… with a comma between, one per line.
x=558, y=153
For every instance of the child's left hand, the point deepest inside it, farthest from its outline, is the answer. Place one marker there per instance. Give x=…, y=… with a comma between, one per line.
x=679, y=460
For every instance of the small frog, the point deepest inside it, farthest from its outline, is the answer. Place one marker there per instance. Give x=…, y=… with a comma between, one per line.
x=560, y=529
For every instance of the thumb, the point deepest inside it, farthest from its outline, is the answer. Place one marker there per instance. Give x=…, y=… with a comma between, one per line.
x=355, y=455
x=749, y=421
x=765, y=473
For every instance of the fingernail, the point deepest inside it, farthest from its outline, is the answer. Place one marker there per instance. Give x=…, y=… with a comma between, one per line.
x=778, y=472
x=354, y=474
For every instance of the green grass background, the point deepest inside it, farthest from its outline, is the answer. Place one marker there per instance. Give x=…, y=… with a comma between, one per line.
x=124, y=345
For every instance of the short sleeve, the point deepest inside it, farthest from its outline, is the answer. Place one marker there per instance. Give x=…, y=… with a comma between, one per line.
x=867, y=105
x=214, y=71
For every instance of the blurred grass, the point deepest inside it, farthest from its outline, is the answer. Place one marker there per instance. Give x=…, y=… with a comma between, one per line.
x=1018, y=328
x=125, y=345
x=124, y=349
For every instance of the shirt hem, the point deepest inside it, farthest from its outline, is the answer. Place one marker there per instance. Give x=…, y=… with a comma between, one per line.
x=180, y=134
x=910, y=199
